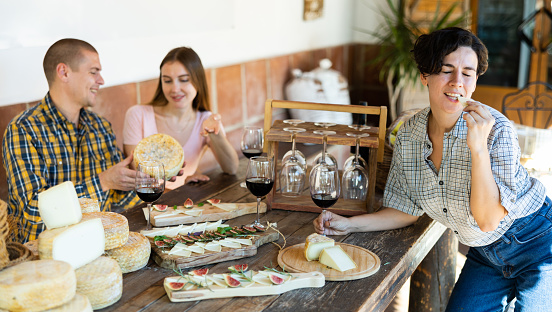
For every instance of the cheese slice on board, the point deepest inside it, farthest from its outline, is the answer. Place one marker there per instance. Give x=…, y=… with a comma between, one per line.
x=243, y=241
x=196, y=212
x=78, y=244
x=101, y=281
x=226, y=206
x=59, y=206
x=230, y=244
x=196, y=249
x=37, y=285
x=133, y=255
x=213, y=246
x=182, y=253
x=336, y=258
x=79, y=303
x=314, y=245
x=154, y=232
x=115, y=227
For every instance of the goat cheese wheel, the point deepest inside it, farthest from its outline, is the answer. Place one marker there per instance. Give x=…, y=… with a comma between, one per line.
x=79, y=303
x=162, y=148
x=101, y=281
x=115, y=227
x=37, y=285
x=133, y=255
x=89, y=205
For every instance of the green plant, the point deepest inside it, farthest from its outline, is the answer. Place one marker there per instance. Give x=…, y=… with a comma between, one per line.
x=397, y=36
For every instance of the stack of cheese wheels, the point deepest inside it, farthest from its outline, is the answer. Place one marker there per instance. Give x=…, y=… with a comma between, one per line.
x=132, y=256
x=37, y=285
x=161, y=148
x=115, y=227
x=101, y=281
x=89, y=205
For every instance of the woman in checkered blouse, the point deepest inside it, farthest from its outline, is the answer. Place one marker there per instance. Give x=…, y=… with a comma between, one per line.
x=460, y=165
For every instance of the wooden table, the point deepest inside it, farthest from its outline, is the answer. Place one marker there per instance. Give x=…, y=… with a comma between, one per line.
x=400, y=251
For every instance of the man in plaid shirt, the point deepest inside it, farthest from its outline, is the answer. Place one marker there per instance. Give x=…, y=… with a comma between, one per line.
x=61, y=140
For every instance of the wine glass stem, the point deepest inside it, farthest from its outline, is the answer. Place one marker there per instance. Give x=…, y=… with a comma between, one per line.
x=324, y=149
x=148, y=226
x=357, y=149
x=293, y=145
x=258, y=204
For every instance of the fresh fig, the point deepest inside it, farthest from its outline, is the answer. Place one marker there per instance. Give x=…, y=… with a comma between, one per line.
x=160, y=207
x=232, y=282
x=259, y=227
x=188, y=203
x=249, y=229
x=175, y=285
x=239, y=267
x=276, y=280
x=199, y=272
x=213, y=201
x=160, y=243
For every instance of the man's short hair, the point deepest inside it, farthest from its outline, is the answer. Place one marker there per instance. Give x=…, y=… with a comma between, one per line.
x=67, y=51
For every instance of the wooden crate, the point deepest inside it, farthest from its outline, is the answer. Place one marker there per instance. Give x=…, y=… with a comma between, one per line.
x=274, y=133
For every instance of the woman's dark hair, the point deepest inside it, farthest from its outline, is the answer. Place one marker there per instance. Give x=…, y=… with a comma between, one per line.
x=430, y=50
x=191, y=61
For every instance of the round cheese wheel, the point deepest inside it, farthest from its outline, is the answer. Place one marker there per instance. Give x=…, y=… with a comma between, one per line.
x=115, y=227
x=89, y=205
x=79, y=303
x=101, y=281
x=162, y=148
x=37, y=285
x=132, y=256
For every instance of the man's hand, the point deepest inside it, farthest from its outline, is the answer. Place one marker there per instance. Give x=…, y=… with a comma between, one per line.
x=118, y=177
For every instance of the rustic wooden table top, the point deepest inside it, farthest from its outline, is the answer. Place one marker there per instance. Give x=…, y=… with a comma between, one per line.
x=400, y=252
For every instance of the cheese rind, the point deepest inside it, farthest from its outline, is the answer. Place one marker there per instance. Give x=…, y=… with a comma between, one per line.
x=78, y=244
x=314, y=245
x=115, y=227
x=336, y=258
x=133, y=255
x=59, y=206
x=89, y=205
x=37, y=285
x=79, y=303
x=101, y=281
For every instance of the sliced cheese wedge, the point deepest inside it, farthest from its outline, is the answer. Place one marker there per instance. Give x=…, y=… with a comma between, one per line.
x=78, y=244
x=217, y=281
x=59, y=206
x=314, y=245
x=187, y=229
x=196, y=212
x=173, y=231
x=177, y=247
x=226, y=206
x=336, y=258
x=154, y=232
x=243, y=241
x=212, y=226
x=213, y=246
x=200, y=227
x=182, y=253
x=196, y=249
x=262, y=279
x=227, y=243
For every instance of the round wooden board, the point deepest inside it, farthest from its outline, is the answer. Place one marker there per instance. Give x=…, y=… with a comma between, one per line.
x=292, y=259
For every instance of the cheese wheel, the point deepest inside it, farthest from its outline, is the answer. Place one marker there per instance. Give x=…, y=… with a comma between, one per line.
x=314, y=244
x=89, y=205
x=79, y=303
x=4, y=255
x=59, y=206
x=101, y=281
x=115, y=227
x=161, y=148
x=37, y=285
x=33, y=247
x=78, y=244
x=132, y=256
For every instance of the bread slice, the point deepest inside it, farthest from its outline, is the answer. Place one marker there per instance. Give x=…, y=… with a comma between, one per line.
x=162, y=148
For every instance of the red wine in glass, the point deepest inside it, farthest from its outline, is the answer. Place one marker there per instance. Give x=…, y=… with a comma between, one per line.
x=252, y=152
x=149, y=194
x=259, y=186
x=324, y=200
x=149, y=184
x=259, y=178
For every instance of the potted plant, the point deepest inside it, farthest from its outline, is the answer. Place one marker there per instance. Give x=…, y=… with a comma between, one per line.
x=397, y=36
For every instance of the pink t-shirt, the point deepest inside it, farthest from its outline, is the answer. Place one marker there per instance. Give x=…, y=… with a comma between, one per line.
x=140, y=123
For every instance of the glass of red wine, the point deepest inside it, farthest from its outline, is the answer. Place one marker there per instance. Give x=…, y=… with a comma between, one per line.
x=150, y=183
x=324, y=180
x=259, y=178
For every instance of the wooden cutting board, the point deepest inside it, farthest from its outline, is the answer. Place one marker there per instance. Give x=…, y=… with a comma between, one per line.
x=299, y=280
x=163, y=259
x=292, y=259
x=209, y=213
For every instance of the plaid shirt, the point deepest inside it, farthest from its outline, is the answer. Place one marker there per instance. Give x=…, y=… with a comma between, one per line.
x=42, y=148
x=414, y=186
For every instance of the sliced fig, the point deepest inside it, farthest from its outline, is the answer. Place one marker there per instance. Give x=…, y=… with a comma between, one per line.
x=239, y=267
x=160, y=207
x=160, y=243
x=232, y=282
x=276, y=280
x=213, y=201
x=199, y=272
x=259, y=227
x=188, y=203
x=249, y=229
x=175, y=285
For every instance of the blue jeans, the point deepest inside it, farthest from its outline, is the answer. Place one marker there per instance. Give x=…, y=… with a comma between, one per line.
x=518, y=265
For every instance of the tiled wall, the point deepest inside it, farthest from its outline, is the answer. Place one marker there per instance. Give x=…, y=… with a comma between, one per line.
x=238, y=92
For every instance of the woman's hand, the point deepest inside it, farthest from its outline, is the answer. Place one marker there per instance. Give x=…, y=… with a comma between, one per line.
x=480, y=122
x=330, y=223
x=211, y=125
x=197, y=177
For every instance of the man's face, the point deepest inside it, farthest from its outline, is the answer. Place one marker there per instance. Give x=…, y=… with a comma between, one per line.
x=85, y=81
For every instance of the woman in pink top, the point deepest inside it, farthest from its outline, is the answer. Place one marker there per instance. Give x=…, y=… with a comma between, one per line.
x=180, y=108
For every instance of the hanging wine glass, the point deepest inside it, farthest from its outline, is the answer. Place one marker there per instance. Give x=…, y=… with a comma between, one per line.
x=294, y=122
x=150, y=184
x=259, y=178
x=298, y=154
x=325, y=156
x=324, y=179
x=293, y=173
x=355, y=177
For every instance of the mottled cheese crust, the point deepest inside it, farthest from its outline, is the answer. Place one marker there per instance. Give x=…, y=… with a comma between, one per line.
x=79, y=303
x=101, y=281
x=314, y=245
x=115, y=227
x=132, y=256
x=37, y=285
x=162, y=148
x=89, y=205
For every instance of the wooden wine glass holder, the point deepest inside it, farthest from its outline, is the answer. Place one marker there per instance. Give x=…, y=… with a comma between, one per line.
x=275, y=133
